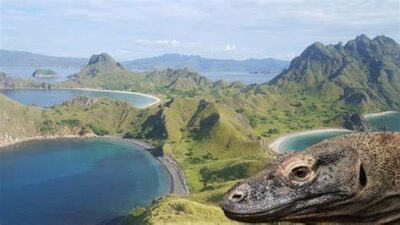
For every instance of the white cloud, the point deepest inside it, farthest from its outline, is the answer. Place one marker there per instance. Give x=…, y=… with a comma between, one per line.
x=230, y=48
x=162, y=43
x=266, y=27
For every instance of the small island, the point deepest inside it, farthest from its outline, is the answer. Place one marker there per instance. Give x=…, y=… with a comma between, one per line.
x=44, y=73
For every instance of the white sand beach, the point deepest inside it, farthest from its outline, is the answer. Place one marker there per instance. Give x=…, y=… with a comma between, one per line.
x=371, y=115
x=157, y=100
x=275, y=145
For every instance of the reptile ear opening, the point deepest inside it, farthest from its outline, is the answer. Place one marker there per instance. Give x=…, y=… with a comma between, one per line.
x=363, y=176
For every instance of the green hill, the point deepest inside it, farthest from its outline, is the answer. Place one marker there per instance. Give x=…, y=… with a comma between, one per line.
x=219, y=137
x=182, y=80
x=204, y=137
x=80, y=117
x=363, y=72
x=18, y=121
x=104, y=72
x=218, y=131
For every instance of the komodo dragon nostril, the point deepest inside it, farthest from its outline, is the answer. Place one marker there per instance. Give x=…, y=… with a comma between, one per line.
x=237, y=196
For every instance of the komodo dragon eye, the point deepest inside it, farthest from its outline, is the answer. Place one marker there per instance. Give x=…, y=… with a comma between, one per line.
x=300, y=173
x=298, y=170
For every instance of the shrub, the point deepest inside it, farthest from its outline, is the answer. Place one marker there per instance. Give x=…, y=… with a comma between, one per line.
x=98, y=130
x=71, y=122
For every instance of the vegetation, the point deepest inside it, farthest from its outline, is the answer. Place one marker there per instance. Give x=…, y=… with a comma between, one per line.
x=217, y=131
x=363, y=72
x=44, y=73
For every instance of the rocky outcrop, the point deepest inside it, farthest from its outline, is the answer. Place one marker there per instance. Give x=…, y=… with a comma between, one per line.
x=103, y=58
x=6, y=82
x=102, y=62
x=355, y=122
x=45, y=85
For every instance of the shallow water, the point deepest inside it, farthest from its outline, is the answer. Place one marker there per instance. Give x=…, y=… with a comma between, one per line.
x=51, y=182
x=390, y=122
x=300, y=142
x=47, y=98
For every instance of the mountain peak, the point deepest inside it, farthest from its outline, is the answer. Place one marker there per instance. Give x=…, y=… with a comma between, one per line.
x=362, y=72
x=102, y=62
x=382, y=39
x=101, y=58
x=316, y=51
x=362, y=37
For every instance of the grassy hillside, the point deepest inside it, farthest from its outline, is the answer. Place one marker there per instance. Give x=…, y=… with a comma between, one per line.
x=18, y=121
x=220, y=135
x=179, y=211
x=362, y=72
x=81, y=116
x=218, y=132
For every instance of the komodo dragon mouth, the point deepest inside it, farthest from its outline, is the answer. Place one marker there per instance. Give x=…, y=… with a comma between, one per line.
x=337, y=180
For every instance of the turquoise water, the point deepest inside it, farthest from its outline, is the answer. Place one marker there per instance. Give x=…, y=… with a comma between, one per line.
x=47, y=98
x=76, y=182
x=300, y=142
x=389, y=122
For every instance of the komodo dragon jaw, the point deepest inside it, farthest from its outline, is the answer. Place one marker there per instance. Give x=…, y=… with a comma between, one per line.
x=327, y=182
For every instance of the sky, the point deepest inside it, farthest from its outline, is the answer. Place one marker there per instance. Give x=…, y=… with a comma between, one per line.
x=129, y=29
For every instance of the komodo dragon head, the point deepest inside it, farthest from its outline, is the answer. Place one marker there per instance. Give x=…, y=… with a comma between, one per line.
x=305, y=186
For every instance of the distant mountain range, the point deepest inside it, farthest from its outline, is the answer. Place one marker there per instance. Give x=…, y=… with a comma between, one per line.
x=173, y=61
x=21, y=58
x=201, y=64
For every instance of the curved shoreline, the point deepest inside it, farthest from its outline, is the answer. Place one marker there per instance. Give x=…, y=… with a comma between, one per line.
x=156, y=102
x=178, y=184
x=372, y=115
x=276, y=144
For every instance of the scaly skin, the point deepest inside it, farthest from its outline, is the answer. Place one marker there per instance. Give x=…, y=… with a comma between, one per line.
x=352, y=179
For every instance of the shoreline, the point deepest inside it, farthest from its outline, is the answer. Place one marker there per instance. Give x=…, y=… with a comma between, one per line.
x=372, y=115
x=157, y=100
x=275, y=144
x=37, y=138
x=178, y=184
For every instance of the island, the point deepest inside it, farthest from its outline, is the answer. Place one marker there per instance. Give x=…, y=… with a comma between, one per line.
x=44, y=73
x=217, y=132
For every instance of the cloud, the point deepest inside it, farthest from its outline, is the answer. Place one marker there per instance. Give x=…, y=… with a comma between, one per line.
x=162, y=43
x=230, y=48
x=257, y=28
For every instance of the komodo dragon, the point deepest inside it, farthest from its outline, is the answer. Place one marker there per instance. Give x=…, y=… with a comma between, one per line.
x=352, y=179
